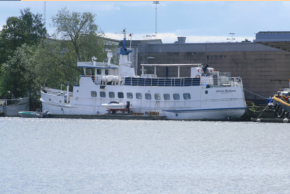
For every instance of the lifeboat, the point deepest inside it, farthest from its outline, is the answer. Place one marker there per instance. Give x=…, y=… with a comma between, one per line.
x=117, y=106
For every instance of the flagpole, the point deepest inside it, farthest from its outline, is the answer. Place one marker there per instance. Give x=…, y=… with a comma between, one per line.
x=130, y=46
x=130, y=40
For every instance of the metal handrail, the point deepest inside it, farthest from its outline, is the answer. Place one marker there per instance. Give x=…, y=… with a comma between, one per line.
x=185, y=81
x=221, y=81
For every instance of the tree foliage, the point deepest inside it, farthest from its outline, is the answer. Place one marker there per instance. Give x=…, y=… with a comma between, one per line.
x=55, y=63
x=13, y=35
x=81, y=31
x=18, y=73
x=35, y=26
x=18, y=41
x=28, y=29
x=32, y=60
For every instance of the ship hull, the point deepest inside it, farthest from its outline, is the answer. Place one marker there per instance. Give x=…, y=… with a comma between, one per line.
x=204, y=104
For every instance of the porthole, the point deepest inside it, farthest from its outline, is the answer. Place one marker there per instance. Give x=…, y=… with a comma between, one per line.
x=206, y=92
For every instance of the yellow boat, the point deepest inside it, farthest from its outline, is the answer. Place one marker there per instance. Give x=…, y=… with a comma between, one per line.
x=281, y=103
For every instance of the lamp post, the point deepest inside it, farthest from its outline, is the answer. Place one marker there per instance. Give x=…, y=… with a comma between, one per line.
x=156, y=3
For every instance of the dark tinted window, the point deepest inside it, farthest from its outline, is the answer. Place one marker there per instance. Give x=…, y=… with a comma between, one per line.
x=148, y=96
x=112, y=94
x=120, y=95
x=176, y=96
x=93, y=93
x=166, y=97
x=138, y=95
x=103, y=94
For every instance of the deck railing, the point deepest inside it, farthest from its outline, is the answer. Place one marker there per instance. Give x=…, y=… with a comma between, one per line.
x=181, y=82
x=132, y=81
x=212, y=81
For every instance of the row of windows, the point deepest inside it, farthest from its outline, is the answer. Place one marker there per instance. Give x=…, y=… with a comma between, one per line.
x=157, y=96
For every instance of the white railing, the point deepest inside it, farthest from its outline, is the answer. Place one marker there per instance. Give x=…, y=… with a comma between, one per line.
x=221, y=81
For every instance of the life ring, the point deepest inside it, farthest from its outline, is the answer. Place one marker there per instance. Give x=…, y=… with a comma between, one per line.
x=198, y=76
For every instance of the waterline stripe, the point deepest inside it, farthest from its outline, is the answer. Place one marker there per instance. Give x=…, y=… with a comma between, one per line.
x=203, y=109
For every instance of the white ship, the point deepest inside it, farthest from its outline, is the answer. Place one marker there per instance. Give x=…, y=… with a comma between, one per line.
x=205, y=95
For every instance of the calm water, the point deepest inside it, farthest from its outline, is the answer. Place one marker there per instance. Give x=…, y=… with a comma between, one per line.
x=111, y=156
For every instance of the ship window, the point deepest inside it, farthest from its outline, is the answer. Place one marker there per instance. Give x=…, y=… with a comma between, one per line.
x=99, y=71
x=176, y=96
x=103, y=94
x=112, y=94
x=120, y=95
x=166, y=97
x=147, y=96
x=129, y=95
x=186, y=96
x=138, y=95
x=93, y=93
x=157, y=96
x=88, y=72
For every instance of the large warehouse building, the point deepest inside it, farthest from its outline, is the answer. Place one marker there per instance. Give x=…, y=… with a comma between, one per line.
x=264, y=65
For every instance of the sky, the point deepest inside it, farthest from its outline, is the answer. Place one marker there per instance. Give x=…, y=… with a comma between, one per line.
x=198, y=21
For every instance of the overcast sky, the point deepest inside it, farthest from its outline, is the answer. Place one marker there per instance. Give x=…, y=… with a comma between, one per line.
x=198, y=21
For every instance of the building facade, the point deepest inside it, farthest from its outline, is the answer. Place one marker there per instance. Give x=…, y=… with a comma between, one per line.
x=264, y=69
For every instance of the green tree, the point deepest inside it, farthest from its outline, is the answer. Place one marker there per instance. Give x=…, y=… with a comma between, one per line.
x=35, y=27
x=18, y=73
x=76, y=39
x=55, y=63
x=28, y=28
x=13, y=35
x=82, y=32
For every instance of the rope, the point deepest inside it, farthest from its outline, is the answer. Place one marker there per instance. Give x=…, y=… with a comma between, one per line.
x=263, y=111
x=255, y=94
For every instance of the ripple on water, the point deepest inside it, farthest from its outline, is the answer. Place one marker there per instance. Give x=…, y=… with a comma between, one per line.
x=111, y=156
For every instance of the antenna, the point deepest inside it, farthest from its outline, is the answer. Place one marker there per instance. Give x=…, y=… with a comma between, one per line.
x=156, y=3
x=123, y=50
x=232, y=37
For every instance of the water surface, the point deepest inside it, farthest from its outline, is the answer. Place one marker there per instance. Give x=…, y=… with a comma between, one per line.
x=115, y=156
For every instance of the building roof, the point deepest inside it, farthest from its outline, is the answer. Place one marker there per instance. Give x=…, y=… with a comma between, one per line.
x=204, y=47
x=137, y=42
x=275, y=39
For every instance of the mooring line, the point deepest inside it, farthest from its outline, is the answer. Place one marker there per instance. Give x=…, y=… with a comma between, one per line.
x=255, y=94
